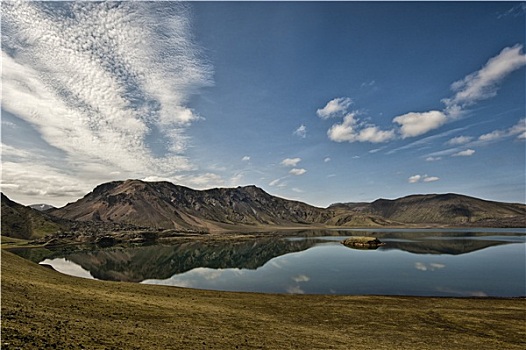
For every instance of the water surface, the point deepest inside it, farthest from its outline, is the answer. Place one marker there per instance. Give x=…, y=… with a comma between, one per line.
x=413, y=262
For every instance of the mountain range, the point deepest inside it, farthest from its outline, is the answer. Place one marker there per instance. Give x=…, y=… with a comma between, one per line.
x=166, y=206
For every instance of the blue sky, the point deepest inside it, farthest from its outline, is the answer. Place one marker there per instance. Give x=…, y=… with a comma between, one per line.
x=314, y=101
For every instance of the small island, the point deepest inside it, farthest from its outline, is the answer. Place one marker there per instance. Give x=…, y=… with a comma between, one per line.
x=362, y=242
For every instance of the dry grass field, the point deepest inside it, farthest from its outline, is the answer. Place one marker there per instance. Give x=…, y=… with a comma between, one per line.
x=43, y=309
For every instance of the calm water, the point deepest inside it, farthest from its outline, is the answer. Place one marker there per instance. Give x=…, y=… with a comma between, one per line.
x=424, y=263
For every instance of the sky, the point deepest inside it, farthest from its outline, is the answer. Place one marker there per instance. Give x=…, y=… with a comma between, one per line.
x=321, y=102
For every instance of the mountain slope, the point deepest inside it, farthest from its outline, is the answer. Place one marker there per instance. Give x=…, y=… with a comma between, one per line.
x=164, y=205
x=19, y=221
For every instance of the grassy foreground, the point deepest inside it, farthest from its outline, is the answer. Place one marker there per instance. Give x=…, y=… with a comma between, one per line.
x=43, y=309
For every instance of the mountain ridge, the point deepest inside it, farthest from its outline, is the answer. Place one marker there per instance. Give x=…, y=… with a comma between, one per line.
x=164, y=205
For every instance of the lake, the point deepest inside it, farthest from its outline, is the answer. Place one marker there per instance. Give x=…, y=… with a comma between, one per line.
x=466, y=263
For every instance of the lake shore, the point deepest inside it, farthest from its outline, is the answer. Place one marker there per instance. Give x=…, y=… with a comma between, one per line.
x=42, y=308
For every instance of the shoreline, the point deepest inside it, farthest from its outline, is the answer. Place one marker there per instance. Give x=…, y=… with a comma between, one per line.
x=238, y=232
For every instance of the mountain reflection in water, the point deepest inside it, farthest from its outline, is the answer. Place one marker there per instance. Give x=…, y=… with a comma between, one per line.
x=162, y=261
x=196, y=263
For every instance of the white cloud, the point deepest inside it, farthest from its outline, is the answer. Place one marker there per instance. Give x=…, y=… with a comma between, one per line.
x=475, y=87
x=414, y=179
x=466, y=153
x=297, y=190
x=327, y=159
x=367, y=84
x=483, y=84
x=27, y=180
x=290, y=161
x=375, y=135
x=274, y=182
x=415, y=124
x=245, y=158
x=518, y=130
x=515, y=11
x=422, y=178
x=280, y=182
x=156, y=179
x=334, y=108
x=203, y=181
x=297, y=171
x=492, y=136
x=431, y=178
x=351, y=130
x=124, y=111
x=301, y=131
x=433, y=159
x=459, y=140
x=8, y=124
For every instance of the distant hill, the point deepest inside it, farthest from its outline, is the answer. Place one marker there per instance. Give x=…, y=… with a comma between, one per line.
x=165, y=205
x=445, y=209
x=19, y=221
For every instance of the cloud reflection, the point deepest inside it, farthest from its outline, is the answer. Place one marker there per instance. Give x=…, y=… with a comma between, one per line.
x=429, y=267
x=301, y=278
x=68, y=267
x=464, y=293
x=295, y=290
x=197, y=278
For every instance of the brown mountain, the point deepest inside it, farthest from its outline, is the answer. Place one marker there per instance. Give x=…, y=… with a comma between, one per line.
x=169, y=206
x=165, y=205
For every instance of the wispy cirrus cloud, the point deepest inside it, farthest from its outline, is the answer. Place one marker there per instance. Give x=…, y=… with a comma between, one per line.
x=466, y=153
x=515, y=11
x=105, y=83
x=426, y=141
x=469, y=142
